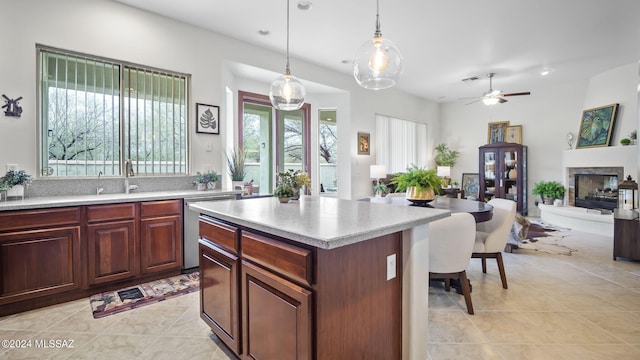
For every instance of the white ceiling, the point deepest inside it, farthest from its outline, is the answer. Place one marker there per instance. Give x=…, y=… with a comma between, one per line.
x=442, y=41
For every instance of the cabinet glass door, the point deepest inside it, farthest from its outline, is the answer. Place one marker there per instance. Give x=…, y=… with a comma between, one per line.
x=490, y=172
x=510, y=175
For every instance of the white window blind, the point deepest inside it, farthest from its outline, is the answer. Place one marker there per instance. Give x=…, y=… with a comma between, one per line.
x=400, y=143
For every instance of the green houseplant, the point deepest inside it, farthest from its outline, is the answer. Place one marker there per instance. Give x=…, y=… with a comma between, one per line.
x=235, y=162
x=549, y=190
x=419, y=183
x=625, y=141
x=202, y=181
x=295, y=180
x=445, y=156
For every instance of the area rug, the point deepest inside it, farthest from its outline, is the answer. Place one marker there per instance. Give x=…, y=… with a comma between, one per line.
x=545, y=238
x=113, y=302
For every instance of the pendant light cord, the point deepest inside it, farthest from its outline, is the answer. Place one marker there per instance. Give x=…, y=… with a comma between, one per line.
x=287, y=70
x=378, y=33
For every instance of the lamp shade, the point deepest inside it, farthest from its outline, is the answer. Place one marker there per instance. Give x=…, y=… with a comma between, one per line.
x=377, y=171
x=378, y=64
x=492, y=100
x=287, y=93
x=443, y=171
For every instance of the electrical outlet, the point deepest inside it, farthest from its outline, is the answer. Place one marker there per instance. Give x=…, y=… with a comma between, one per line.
x=13, y=167
x=208, y=148
x=391, y=266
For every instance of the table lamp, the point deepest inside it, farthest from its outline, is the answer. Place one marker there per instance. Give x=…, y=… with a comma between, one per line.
x=377, y=172
x=444, y=172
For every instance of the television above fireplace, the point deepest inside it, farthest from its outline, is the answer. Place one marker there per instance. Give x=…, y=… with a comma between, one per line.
x=596, y=191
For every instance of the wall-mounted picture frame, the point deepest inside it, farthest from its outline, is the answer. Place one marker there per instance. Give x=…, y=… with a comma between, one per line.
x=364, y=143
x=596, y=126
x=496, y=131
x=470, y=185
x=207, y=119
x=513, y=134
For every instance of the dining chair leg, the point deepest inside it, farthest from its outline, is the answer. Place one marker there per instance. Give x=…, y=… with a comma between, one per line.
x=447, y=284
x=503, y=276
x=466, y=291
x=484, y=264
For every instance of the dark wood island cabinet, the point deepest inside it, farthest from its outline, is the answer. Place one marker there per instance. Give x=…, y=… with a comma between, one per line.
x=626, y=234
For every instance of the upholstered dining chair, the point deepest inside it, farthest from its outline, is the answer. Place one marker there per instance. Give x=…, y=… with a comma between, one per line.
x=450, y=245
x=492, y=235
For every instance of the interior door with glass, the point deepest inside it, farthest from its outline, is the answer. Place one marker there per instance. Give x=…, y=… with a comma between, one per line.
x=257, y=144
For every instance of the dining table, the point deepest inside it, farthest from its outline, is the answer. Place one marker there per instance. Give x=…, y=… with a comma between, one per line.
x=481, y=211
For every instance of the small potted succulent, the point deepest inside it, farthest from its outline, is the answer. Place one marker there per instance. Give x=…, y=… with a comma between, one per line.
x=14, y=182
x=206, y=180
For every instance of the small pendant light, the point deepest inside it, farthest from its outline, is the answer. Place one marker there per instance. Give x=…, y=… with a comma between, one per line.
x=287, y=92
x=378, y=63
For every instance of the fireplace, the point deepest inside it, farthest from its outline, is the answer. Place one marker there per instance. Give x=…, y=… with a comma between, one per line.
x=596, y=191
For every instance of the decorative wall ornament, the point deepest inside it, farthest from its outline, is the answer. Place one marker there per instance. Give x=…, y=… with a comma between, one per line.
x=364, y=144
x=596, y=126
x=207, y=119
x=13, y=109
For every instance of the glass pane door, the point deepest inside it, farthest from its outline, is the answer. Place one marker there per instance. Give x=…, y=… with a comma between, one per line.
x=291, y=146
x=257, y=146
x=490, y=168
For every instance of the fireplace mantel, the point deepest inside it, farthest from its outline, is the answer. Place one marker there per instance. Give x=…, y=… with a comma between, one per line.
x=608, y=156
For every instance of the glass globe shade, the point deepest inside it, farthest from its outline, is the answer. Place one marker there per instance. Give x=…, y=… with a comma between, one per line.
x=287, y=93
x=378, y=64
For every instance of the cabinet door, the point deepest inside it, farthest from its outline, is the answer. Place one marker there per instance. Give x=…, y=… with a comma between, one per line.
x=112, y=252
x=489, y=173
x=160, y=244
x=39, y=262
x=219, y=298
x=276, y=316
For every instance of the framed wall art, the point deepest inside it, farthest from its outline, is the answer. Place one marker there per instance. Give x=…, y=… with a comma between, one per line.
x=513, y=134
x=597, y=126
x=364, y=145
x=496, y=131
x=470, y=185
x=207, y=119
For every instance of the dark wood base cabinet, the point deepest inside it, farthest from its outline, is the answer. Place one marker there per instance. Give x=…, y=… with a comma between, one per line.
x=49, y=256
x=271, y=298
x=626, y=238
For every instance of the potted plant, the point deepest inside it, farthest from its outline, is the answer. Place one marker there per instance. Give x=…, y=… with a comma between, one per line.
x=419, y=183
x=235, y=160
x=625, y=141
x=548, y=191
x=296, y=180
x=283, y=192
x=206, y=180
x=14, y=182
x=445, y=156
x=380, y=189
x=633, y=136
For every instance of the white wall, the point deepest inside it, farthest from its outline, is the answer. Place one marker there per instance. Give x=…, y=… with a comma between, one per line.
x=112, y=30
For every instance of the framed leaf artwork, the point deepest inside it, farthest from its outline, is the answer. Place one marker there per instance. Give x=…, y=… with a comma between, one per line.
x=597, y=126
x=207, y=119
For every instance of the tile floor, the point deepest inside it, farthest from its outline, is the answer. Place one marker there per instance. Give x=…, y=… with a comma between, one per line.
x=583, y=306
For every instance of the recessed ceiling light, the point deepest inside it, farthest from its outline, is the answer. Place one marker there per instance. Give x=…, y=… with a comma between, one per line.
x=304, y=5
x=264, y=32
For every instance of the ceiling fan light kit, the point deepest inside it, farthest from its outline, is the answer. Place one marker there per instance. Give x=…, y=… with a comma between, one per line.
x=378, y=62
x=492, y=97
x=287, y=92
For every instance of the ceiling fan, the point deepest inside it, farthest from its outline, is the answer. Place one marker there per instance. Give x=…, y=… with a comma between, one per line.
x=492, y=97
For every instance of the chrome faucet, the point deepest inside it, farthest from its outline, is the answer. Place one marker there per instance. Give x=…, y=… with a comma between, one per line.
x=99, y=189
x=128, y=172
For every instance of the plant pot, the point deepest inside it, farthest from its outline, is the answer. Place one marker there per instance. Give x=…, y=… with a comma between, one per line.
x=296, y=194
x=424, y=194
x=283, y=199
x=557, y=202
x=238, y=185
x=547, y=200
x=16, y=190
x=201, y=186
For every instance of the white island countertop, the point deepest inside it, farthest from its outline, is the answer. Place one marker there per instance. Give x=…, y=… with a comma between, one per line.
x=323, y=222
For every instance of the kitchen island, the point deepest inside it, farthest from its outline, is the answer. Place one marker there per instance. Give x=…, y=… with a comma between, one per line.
x=319, y=278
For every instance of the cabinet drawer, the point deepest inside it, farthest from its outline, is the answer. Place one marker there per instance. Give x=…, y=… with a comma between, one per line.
x=224, y=235
x=288, y=260
x=159, y=208
x=13, y=220
x=111, y=212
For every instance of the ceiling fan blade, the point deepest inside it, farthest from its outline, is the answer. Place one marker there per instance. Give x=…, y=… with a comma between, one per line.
x=501, y=100
x=517, y=94
x=469, y=98
x=473, y=102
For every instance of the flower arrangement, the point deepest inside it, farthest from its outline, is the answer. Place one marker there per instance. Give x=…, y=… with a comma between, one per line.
x=13, y=178
x=203, y=180
x=291, y=180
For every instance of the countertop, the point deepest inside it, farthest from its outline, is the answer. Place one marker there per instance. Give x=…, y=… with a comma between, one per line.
x=76, y=200
x=323, y=222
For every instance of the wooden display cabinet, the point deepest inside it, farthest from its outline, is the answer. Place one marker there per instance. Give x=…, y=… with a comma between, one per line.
x=503, y=173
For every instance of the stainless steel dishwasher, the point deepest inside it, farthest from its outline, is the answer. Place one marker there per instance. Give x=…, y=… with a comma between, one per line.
x=190, y=233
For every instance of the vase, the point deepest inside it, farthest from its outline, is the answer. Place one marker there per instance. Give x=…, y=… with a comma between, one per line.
x=423, y=194
x=296, y=194
x=201, y=186
x=16, y=190
x=513, y=174
x=283, y=199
